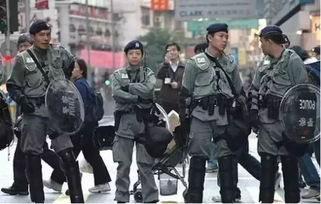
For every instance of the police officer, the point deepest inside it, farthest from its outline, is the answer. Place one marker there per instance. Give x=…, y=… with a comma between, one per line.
x=281, y=69
x=133, y=92
x=207, y=92
x=27, y=86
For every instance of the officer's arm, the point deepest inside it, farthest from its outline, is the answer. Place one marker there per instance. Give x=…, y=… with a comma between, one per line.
x=146, y=88
x=119, y=95
x=189, y=78
x=254, y=91
x=68, y=61
x=16, y=80
x=297, y=71
x=236, y=79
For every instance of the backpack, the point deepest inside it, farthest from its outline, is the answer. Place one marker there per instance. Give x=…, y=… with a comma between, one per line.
x=6, y=130
x=97, y=105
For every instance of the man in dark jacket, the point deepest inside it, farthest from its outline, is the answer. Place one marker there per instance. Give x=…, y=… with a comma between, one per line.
x=170, y=77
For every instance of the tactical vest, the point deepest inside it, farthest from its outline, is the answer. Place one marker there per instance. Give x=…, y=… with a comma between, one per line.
x=210, y=79
x=35, y=83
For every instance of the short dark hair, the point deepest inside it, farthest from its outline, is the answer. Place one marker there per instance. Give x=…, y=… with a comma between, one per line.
x=24, y=37
x=173, y=44
x=82, y=66
x=200, y=47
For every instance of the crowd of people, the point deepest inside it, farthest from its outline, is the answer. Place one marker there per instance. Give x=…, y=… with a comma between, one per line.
x=208, y=94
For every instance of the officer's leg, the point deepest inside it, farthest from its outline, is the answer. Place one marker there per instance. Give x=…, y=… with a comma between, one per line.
x=268, y=173
x=71, y=168
x=34, y=175
x=122, y=154
x=291, y=179
x=227, y=173
x=199, y=149
x=19, y=165
x=144, y=164
x=63, y=146
x=32, y=140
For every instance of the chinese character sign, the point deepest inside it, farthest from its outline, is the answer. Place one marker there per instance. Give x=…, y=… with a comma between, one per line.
x=159, y=5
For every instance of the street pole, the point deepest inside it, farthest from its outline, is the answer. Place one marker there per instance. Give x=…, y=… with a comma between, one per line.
x=7, y=38
x=27, y=20
x=112, y=33
x=90, y=71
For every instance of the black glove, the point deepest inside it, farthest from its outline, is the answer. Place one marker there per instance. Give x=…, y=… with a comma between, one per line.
x=254, y=118
x=26, y=105
x=125, y=88
x=143, y=100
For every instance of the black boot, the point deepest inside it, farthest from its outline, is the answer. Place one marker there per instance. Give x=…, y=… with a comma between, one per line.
x=290, y=171
x=71, y=169
x=15, y=190
x=268, y=174
x=34, y=176
x=227, y=178
x=196, y=175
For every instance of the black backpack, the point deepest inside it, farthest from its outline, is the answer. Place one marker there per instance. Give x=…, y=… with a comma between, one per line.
x=97, y=102
x=6, y=130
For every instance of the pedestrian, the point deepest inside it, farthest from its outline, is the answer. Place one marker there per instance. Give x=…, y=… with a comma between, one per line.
x=83, y=140
x=133, y=87
x=27, y=86
x=208, y=94
x=170, y=77
x=20, y=183
x=282, y=69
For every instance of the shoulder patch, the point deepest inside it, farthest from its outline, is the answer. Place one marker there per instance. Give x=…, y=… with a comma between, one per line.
x=201, y=61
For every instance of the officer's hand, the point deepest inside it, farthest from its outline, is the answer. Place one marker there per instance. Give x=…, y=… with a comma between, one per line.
x=125, y=88
x=143, y=100
x=254, y=118
x=27, y=106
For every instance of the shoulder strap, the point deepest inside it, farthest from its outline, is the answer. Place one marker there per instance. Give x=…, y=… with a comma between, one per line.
x=39, y=66
x=228, y=78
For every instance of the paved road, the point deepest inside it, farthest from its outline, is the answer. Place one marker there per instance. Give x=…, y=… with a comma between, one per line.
x=249, y=186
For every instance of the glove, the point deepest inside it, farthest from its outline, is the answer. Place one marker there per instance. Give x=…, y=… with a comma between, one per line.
x=273, y=104
x=26, y=105
x=125, y=88
x=254, y=118
x=143, y=100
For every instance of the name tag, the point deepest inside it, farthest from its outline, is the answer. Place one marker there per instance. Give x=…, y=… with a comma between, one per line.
x=167, y=81
x=124, y=76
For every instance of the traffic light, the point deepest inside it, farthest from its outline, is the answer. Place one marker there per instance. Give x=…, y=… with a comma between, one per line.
x=13, y=18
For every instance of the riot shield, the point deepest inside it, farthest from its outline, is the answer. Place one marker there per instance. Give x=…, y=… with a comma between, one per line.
x=300, y=113
x=65, y=106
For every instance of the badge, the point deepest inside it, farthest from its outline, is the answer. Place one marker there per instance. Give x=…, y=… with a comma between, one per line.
x=167, y=80
x=29, y=60
x=124, y=76
x=201, y=60
x=266, y=62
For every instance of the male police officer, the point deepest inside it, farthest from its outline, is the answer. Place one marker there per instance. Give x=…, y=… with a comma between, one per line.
x=205, y=82
x=27, y=86
x=282, y=68
x=133, y=88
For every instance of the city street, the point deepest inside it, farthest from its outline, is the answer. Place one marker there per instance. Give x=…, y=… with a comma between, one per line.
x=248, y=185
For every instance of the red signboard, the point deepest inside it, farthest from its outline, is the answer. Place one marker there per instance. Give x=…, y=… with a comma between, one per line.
x=42, y=4
x=103, y=59
x=159, y=5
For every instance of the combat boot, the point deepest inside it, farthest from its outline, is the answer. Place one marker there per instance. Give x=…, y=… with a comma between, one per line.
x=196, y=174
x=34, y=177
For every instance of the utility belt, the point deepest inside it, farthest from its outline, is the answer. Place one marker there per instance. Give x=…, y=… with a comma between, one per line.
x=210, y=102
x=272, y=103
x=38, y=101
x=142, y=115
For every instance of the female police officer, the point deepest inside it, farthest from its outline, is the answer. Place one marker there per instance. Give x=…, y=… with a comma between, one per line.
x=133, y=88
x=205, y=85
x=281, y=69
